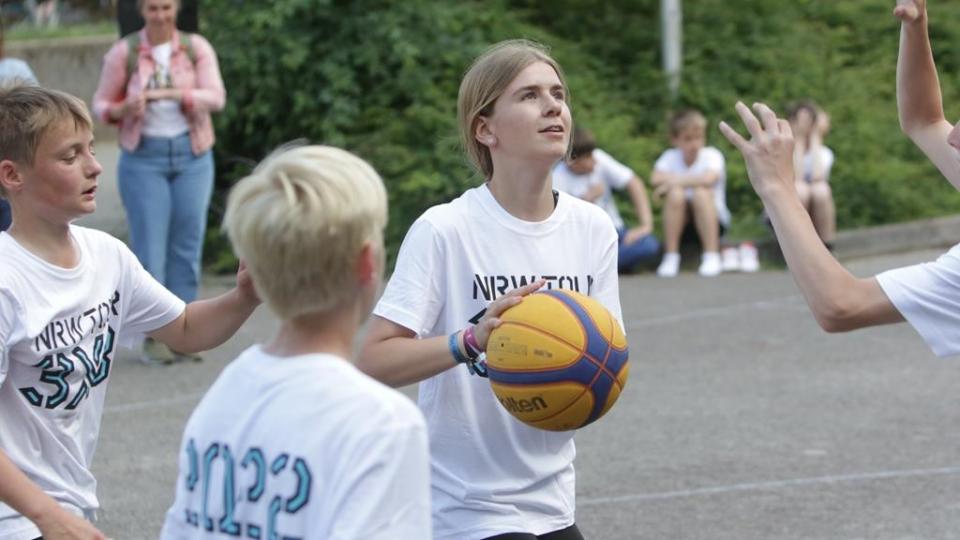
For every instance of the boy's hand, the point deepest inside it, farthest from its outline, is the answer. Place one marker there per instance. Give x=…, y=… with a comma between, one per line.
x=661, y=190
x=909, y=11
x=768, y=153
x=491, y=318
x=67, y=526
x=636, y=233
x=245, y=284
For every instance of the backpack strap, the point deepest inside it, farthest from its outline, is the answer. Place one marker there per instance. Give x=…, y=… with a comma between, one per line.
x=133, y=56
x=186, y=43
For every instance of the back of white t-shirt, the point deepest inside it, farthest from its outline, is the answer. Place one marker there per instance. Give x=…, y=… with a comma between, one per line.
x=607, y=171
x=928, y=297
x=58, y=333
x=301, y=447
x=492, y=474
x=708, y=159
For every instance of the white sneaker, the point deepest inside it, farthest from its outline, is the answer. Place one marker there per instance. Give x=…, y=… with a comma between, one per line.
x=749, y=259
x=669, y=266
x=731, y=259
x=710, y=264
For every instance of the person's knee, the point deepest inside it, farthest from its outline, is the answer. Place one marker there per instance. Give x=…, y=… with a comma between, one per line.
x=821, y=192
x=702, y=202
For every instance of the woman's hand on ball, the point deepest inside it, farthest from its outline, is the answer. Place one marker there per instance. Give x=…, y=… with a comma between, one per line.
x=491, y=318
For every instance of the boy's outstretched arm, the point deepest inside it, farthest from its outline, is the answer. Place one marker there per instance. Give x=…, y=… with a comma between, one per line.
x=54, y=522
x=919, y=101
x=839, y=301
x=641, y=205
x=206, y=324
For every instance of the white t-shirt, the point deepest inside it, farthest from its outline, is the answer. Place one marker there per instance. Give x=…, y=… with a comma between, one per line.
x=58, y=333
x=163, y=117
x=708, y=159
x=306, y=447
x=806, y=163
x=492, y=474
x=607, y=172
x=928, y=297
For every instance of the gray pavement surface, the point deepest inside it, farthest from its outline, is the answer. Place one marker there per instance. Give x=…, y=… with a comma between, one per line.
x=742, y=419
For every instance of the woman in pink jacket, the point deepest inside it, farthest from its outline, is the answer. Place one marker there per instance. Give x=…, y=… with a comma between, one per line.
x=160, y=86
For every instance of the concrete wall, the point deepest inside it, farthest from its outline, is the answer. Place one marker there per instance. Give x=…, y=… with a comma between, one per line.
x=68, y=64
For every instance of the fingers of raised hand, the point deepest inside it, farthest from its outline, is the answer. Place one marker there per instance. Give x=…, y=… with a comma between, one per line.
x=735, y=139
x=749, y=120
x=768, y=117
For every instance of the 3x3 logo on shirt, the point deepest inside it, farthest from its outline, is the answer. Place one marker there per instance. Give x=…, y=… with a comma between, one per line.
x=68, y=374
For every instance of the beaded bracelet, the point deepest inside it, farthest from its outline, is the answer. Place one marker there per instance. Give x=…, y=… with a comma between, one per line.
x=477, y=366
x=470, y=343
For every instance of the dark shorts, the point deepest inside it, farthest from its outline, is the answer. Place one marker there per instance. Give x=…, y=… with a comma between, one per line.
x=570, y=533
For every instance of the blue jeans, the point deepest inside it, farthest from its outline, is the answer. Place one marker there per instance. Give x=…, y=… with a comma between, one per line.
x=166, y=191
x=6, y=216
x=646, y=249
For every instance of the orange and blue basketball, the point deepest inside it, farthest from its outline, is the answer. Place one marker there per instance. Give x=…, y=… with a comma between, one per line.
x=558, y=361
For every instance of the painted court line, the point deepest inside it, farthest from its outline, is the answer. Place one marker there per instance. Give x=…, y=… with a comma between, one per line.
x=793, y=301
x=141, y=405
x=768, y=486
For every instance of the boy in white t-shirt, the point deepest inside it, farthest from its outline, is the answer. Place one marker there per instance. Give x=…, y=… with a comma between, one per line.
x=592, y=174
x=926, y=295
x=292, y=441
x=691, y=180
x=67, y=296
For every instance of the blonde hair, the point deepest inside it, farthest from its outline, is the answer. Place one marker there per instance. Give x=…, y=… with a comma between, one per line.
x=300, y=220
x=27, y=112
x=485, y=81
x=686, y=119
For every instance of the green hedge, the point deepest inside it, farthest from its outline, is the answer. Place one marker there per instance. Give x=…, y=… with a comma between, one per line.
x=380, y=78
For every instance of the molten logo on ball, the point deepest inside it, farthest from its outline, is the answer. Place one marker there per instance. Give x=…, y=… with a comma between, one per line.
x=558, y=361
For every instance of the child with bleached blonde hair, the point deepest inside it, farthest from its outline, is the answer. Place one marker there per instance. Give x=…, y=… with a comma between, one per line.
x=292, y=440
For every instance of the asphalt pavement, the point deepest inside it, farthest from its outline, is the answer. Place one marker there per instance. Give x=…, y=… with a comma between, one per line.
x=741, y=420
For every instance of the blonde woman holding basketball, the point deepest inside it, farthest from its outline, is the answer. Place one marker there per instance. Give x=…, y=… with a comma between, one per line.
x=460, y=266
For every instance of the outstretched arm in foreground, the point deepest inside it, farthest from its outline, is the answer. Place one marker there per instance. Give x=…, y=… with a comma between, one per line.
x=839, y=301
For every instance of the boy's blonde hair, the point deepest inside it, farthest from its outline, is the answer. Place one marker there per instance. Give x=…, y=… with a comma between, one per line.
x=300, y=221
x=686, y=119
x=485, y=81
x=27, y=112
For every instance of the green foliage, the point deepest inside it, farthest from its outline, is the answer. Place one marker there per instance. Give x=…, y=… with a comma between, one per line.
x=380, y=78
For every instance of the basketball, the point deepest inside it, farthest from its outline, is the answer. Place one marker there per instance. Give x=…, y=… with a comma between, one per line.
x=558, y=361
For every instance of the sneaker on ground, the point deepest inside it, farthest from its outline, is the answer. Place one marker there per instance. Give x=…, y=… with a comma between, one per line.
x=731, y=259
x=669, y=266
x=749, y=258
x=710, y=264
x=155, y=352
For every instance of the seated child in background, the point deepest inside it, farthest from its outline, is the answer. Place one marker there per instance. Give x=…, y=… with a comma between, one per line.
x=691, y=178
x=812, y=162
x=591, y=174
x=294, y=417
x=67, y=296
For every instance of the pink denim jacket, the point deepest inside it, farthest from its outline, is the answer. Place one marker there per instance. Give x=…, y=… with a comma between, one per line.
x=200, y=84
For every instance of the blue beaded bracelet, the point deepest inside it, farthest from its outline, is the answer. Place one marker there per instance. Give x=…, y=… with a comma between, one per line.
x=476, y=366
x=454, y=345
